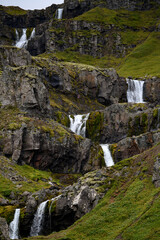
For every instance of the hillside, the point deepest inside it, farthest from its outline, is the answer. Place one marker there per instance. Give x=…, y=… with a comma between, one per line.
x=80, y=118
x=129, y=210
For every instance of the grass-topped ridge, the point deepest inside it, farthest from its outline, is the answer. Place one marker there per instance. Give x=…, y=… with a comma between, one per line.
x=121, y=18
x=13, y=10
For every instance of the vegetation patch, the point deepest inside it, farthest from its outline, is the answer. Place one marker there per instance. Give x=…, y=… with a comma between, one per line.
x=144, y=59
x=94, y=125
x=14, y=10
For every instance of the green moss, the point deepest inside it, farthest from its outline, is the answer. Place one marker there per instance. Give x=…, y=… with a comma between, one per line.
x=94, y=125
x=138, y=125
x=155, y=120
x=113, y=148
x=14, y=126
x=28, y=32
x=7, y=212
x=14, y=10
x=63, y=119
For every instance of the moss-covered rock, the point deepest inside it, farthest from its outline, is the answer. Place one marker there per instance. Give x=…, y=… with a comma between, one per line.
x=94, y=125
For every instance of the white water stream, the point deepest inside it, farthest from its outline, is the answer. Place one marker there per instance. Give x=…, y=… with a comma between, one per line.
x=22, y=42
x=107, y=155
x=78, y=124
x=38, y=220
x=59, y=13
x=135, y=91
x=14, y=225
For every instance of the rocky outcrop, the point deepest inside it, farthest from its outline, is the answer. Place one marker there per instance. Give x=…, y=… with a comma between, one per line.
x=84, y=37
x=50, y=146
x=4, y=232
x=121, y=120
x=24, y=88
x=151, y=90
x=18, y=18
x=14, y=57
x=72, y=203
x=129, y=147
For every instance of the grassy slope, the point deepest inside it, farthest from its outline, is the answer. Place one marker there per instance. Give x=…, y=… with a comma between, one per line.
x=129, y=211
x=143, y=60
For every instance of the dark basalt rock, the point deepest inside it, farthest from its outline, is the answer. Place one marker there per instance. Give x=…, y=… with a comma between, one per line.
x=118, y=121
x=152, y=90
x=28, y=19
x=129, y=147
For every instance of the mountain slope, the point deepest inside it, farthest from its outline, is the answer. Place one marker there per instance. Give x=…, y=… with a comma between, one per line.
x=144, y=60
x=130, y=209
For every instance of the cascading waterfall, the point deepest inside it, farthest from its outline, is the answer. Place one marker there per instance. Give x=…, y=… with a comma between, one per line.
x=22, y=42
x=107, y=155
x=59, y=13
x=38, y=220
x=135, y=91
x=78, y=124
x=14, y=225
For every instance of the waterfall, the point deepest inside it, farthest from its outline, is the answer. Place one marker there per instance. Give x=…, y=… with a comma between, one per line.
x=78, y=124
x=38, y=220
x=107, y=155
x=135, y=91
x=14, y=225
x=59, y=13
x=22, y=42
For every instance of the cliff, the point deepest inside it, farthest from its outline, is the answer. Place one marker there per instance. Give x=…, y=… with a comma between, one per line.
x=74, y=66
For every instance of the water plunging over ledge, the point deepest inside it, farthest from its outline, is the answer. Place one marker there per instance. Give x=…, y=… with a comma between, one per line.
x=37, y=224
x=78, y=124
x=14, y=225
x=107, y=155
x=22, y=42
x=135, y=91
x=59, y=13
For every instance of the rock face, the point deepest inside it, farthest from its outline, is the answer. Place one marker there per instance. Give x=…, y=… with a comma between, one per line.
x=121, y=120
x=53, y=147
x=14, y=57
x=129, y=147
x=72, y=203
x=84, y=37
x=4, y=232
x=24, y=19
x=27, y=91
x=151, y=90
